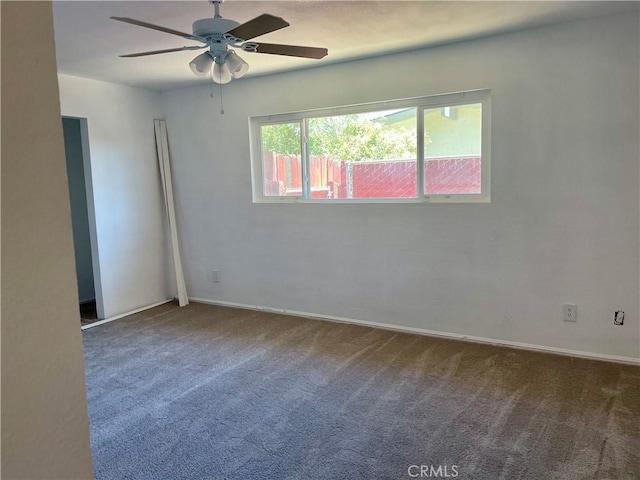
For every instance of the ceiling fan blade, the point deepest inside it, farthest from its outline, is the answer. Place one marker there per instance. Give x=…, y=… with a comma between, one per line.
x=168, y=50
x=265, y=23
x=291, y=50
x=157, y=27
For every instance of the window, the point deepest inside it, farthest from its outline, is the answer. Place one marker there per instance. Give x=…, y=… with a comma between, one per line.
x=428, y=149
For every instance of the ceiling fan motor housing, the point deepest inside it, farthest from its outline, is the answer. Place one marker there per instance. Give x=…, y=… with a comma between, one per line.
x=207, y=27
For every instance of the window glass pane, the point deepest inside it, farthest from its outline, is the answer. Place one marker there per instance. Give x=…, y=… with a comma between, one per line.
x=368, y=155
x=453, y=149
x=281, y=160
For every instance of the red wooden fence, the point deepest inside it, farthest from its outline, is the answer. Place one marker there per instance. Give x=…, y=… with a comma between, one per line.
x=370, y=179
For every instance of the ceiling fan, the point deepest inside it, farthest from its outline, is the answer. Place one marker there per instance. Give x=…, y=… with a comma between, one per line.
x=218, y=34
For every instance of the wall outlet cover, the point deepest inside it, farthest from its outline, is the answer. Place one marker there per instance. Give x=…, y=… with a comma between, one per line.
x=618, y=318
x=570, y=312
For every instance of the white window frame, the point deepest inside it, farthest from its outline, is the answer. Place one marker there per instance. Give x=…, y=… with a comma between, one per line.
x=482, y=96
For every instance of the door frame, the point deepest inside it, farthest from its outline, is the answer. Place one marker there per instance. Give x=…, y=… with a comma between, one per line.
x=91, y=213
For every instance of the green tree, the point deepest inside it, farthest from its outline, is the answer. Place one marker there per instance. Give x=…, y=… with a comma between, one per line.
x=349, y=138
x=282, y=138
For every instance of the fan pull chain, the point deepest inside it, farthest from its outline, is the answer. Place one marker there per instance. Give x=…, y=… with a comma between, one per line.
x=211, y=92
x=221, y=105
x=211, y=77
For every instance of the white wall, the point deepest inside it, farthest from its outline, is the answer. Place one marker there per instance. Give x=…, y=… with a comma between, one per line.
x=130, y=219
x=563, y=225
x=45, y=431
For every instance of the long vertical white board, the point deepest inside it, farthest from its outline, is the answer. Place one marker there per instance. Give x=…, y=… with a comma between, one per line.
x=162, y=144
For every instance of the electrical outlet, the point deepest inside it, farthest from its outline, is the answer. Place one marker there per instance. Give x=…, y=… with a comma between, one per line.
x=216, y=276
x=570, y=312
x=618, y=317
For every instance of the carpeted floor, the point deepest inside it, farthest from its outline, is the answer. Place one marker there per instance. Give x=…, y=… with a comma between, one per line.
x=205, y=392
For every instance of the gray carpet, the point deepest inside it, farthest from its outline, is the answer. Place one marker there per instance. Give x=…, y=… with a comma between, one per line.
x=206, y=392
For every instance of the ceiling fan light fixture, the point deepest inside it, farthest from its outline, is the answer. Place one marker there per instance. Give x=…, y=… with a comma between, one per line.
x=201, y=65
x=221, y=73
x=236, y=64
x=218, y=34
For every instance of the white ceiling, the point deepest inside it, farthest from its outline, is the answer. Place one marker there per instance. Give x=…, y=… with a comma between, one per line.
x=88, y=42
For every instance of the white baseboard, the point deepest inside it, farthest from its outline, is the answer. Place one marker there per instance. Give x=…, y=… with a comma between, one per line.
x=122, y=315
x=430, y=333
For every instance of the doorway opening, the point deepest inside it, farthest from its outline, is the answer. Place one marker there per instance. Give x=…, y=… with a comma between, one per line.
x=76, y=143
